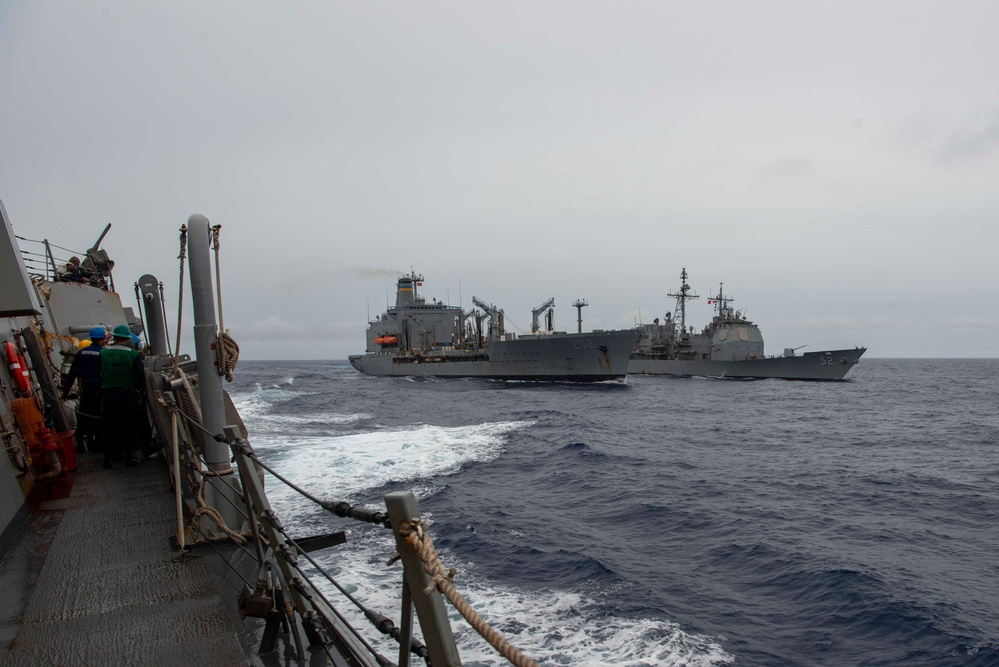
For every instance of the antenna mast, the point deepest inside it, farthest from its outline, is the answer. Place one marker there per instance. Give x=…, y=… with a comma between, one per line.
x=579, y=305
x=722, y=301
x=682, y=297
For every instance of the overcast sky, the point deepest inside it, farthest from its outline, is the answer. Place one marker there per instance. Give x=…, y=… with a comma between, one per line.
x=835, y=164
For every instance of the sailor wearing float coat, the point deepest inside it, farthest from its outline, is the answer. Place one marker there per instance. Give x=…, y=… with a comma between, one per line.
x=123, y=384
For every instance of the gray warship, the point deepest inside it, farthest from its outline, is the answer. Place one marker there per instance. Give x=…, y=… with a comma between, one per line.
x=181, y=559
x=731, y=346
x=417, y=338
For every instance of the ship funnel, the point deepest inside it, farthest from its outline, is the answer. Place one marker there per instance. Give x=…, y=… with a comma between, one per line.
x=405, y=291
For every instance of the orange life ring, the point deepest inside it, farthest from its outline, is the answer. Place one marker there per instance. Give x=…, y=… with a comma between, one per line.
x=18, y=369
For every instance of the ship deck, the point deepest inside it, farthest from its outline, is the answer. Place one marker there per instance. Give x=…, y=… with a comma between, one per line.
x=93, y=579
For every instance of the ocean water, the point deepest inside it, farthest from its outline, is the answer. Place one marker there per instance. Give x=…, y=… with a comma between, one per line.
x=666, y=521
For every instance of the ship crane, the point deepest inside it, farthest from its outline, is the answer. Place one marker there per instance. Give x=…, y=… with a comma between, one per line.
x=496, y=327
x=548, y=306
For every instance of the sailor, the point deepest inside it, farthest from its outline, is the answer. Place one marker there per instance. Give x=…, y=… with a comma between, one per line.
x=70, y=271
x=123, y=386
x=87, y=367
x=149, y=446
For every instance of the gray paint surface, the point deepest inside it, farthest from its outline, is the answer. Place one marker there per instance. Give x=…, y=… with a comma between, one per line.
x=110, y=590
x=416, y=338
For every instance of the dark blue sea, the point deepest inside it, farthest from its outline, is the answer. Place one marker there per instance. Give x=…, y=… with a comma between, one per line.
x=667, y=521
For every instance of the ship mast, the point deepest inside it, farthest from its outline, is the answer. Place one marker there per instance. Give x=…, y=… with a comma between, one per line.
x=721, y=302
x=682, y=297
x=579, y=305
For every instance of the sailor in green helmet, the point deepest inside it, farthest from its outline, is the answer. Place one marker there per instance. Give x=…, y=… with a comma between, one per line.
x=123, y=384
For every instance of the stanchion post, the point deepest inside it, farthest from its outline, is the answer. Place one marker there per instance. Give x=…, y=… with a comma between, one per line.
x=430, y=609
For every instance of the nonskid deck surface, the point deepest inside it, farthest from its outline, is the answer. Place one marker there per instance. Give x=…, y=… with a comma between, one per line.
x=94, y=580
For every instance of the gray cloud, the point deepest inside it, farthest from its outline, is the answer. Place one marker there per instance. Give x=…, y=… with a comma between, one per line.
x=796, y=167
x=973, y=141
x=966, y=323
x=521, y=151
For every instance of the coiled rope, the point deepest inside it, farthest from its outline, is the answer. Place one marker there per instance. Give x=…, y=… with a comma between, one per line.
x=443, y=580
x=204, y=509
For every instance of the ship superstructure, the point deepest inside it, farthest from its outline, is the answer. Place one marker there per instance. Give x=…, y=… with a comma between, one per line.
x=420, y=338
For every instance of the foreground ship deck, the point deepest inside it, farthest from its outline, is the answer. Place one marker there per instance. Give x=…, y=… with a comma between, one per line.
x=94, y=580
x=139, y=566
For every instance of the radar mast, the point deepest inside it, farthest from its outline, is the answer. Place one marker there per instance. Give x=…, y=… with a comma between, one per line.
x=682, y=297
x=579, y=305
x=721, y=302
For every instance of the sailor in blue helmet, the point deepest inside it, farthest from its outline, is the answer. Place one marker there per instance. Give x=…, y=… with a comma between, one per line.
x=123, y=386
x=87, y=367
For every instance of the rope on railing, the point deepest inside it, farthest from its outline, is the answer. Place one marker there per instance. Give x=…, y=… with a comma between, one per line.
x=443, y=580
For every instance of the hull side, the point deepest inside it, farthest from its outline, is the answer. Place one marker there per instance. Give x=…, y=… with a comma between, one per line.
x=588, y=357
x=821, y=366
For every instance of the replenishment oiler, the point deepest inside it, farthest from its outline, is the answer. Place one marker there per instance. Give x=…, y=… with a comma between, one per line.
x=417, y=338
x=180, y=559
x=731, y=346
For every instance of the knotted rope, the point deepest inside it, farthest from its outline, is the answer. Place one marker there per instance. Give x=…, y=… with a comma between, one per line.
x=205, y=509
x=226, y=348
x=443, y=579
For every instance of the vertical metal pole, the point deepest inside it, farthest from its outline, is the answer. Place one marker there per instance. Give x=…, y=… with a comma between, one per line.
x=142, y=319
x=175, y=435
x=405, y=627
x=154, y=323
x=430, y=609
x=209, y=379
x=166, y=329
x=48, y=253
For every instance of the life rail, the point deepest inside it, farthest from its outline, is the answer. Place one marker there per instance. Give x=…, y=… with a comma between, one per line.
x=283, y=592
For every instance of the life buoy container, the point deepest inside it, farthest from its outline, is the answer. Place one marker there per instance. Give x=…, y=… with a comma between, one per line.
x=18, y=369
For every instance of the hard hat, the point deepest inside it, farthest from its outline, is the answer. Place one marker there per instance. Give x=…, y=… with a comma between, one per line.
x=122, y=331
x=135, y=340
x=83, y=344
x=98, y=333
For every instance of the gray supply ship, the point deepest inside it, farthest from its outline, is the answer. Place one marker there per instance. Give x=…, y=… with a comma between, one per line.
x=416, y=338
x=731, y=346
x=180, y=559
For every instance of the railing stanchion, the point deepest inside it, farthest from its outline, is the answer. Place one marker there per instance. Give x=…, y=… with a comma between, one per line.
x=175, y=433
x=405, y=626
x=430, y=608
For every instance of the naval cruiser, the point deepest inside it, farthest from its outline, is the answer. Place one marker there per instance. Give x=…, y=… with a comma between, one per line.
x=731, y=346
x=417, y=338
